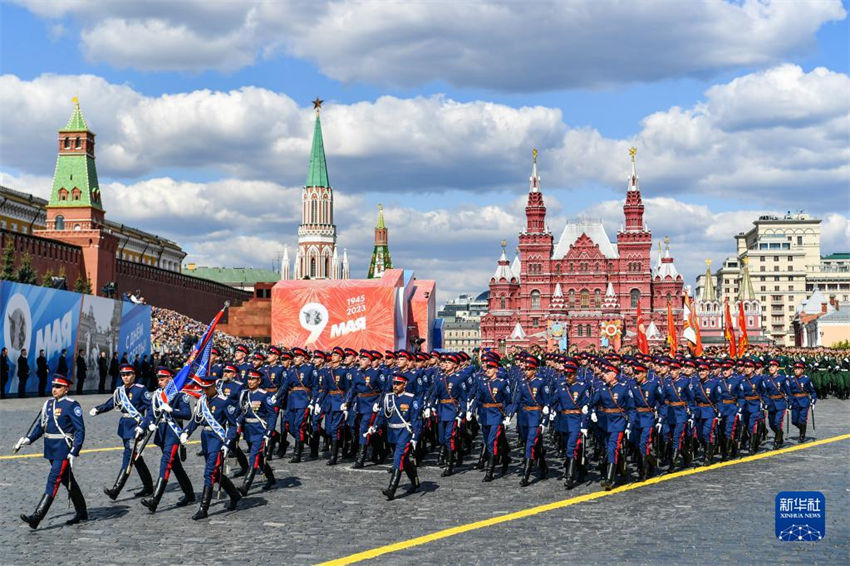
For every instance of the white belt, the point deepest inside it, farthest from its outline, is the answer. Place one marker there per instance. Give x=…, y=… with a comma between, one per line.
x=252, y=420
x=56, y=436
x=397, y=426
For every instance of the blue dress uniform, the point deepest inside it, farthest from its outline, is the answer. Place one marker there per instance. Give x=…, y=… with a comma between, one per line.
x=750, y=397
x=448, y=396
x=296, y=393
x=218, y=414
x=491, y=397
x=231, y=388
x=705, y=412
x=364, y=392
x=332, y=394
x=61, y=424
x=402, y=413
x=615, y=401
x=802, y=394
x=647, y=397
x=728, y=405
x=775, y=388
x=167, y=427
x=133, y=401
x=678, y=399
x=569, y=405
x=531, y=405
x=257, y=420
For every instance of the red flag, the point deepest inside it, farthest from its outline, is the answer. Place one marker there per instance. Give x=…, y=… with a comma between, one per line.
x=744, y=340
x=690, y=329
x=642, y=342
x=729, y=332
x=671, y=331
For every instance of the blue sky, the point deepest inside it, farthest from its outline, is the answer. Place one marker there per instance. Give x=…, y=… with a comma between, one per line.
x=432, y=109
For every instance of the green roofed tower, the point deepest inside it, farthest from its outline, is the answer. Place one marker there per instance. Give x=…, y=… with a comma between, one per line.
x=381, y=260
x=75, y=183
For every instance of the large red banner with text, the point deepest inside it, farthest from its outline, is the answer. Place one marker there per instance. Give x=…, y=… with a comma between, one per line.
x=323, y=314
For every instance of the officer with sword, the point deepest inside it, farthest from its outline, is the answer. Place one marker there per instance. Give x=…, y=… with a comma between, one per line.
x=61, y=423
x=257, y=421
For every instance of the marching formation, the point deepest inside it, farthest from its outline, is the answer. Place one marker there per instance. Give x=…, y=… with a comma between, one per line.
x=617, y=415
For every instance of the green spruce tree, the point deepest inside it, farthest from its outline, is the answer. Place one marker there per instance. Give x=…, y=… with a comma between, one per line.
x=47, y=278
x=80, y=285
x=8, y=273
x=26, y=274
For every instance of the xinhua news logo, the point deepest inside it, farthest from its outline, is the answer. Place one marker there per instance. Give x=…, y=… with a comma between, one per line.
x=800, y=516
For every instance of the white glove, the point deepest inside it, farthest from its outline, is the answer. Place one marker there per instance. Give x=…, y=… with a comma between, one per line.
x=584, y=432
x=345, y=415
x=71, y=460
x=426, y=414
x=166, y=407
x=184, y=438
x=22, y=441
x=691, y=423
x=469, y=415
x=545, y=410
x=343, y=407
x=413, y=444
x=507, y=422
x=372, y=430
x=593, y=416
x=151, y=427
x=814, y=401
x=584, y=410
x=224, y=451
x=139, y=431
x=315, y=409
x=93, y=411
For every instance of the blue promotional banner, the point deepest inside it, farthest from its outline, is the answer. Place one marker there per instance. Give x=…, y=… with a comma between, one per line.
x=35, y=319
x=135, y=336
x=800, y=516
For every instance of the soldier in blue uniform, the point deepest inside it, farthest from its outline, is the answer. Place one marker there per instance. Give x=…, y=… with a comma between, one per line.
x=490, y=398
x=532, y=409
x=231, y=387
x=775, y=388
x=366, y=389
x=330, y=396
x=401, y=411
x=648, y=398
x=728, y=387
x=614, y=400
x=218, y=415
x=167, y=420
x=750, y=398
x=448, y=397
x=240, y=360
x=257, y=420
x=133, y=401
x=296, y=394
x=704, y=390
x=802, y=394
x=569, y=405
x=61, y=424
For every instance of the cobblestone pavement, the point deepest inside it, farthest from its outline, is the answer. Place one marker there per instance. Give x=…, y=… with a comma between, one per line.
x=319, y=513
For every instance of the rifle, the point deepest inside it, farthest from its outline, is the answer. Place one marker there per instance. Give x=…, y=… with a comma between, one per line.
x=29, y=430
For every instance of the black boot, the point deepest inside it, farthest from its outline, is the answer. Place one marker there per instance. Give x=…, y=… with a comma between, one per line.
x=39, y=513
x=153, y=502
x=298, y=450
x=491, y=463
x=145, y=476
x=80, y=512
x=314, y=446
x=242, y=460
x=570, y=473
x=413, y=476
x=608, y=482
x=282, y=446
x=544, y=467
x=246, y=483
x=204, y=507
x=526, y=472
x=334, y=452
x=802, y=433
x=361, y=457
x=389, y=493
x=673, y=461
x=231, y=491
x=450, y=463
x=506, y=461
x=113, y=491
x=270, y=479
x=441, y=458
x=481, y=459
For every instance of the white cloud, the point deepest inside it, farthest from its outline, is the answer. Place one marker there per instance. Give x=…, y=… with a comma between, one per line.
x=494, y=45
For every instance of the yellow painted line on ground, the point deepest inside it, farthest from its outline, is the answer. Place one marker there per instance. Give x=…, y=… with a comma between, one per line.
x=87, y=451
x=445, y=533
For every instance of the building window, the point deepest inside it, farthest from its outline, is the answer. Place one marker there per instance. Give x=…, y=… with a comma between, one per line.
x=67, y=143
x=580, y=331
x=312, y=267
x=635, y=298
x=77, y=144
x=502, y=303
x=597, y=297
x=535, y=299
x=75, y=193
x=588, y=331
x=59, y=222
x=585, y=298
x=572, y=297
x=63, y=194
x=799, y=240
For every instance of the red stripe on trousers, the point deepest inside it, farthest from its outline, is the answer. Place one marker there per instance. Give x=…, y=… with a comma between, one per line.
x=59, y=477
x=170, y=460
x=617, y=452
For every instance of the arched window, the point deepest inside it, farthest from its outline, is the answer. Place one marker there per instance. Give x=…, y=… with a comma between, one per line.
x=588, y=330
x=328, y=273
x=502, y=303
x=635, y=298
x=63, y=194
x=314, y=211
x=572, y=297
x=585, y=298
x=77, y=144
x=558, y=269
x=669, y=298
x=580, y=330
x=60, y=221
x=535, y=299
x=312, y=267
x=67, y=143
x=75, y=193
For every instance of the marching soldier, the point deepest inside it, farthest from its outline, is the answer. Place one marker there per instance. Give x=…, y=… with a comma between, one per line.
x=230, y=387
x=257, y=421
x=448, y=397
x=133, y=401
x=704, y=390
x=218, y=414
x=401, y=411
x=614, y=400
x=366, y=388
x=532, y=407
x=775, y=387
x=569, y=404
x=61, y=424
x=647, y=398
x=752, y=415
x=802, y=395
x=491, y=397
x=166, y=420
x=296, y=394
x=728, y=387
